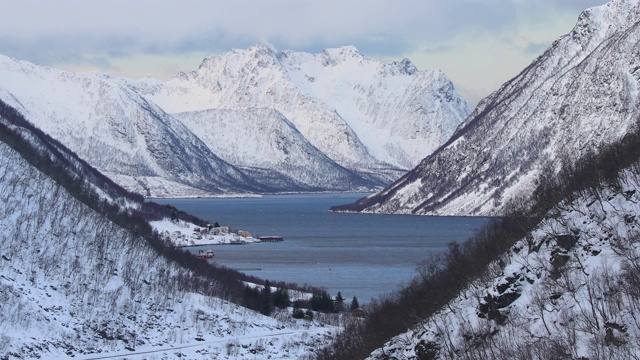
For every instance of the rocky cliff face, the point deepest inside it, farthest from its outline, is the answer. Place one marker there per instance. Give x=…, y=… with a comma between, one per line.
x=581, y=94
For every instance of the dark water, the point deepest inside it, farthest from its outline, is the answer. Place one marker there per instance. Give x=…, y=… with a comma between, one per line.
x=357, y=254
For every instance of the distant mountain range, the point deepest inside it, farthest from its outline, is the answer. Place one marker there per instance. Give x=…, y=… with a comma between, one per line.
x=578, y=96
x=247, y=121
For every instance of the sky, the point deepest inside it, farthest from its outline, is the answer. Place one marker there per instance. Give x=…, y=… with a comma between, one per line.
x=479, y=44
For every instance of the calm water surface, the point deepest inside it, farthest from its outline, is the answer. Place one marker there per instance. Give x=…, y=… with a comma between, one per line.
x=357, y=254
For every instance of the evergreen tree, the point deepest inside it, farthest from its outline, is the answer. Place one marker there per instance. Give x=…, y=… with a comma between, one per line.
x=266, y=303
x=298, y=313
x=339, y=302
x=354, y=304
x=281, y=298
x=267, y=288
x=322, y=302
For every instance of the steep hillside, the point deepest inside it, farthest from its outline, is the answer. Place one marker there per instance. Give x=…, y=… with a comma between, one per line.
x=74, y=283
x=577, y=97
x=365, y=115
x=556, y=280
x=400, y=114
x=117, y=131
x=570, y=289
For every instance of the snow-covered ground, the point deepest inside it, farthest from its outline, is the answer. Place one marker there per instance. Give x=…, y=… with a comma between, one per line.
x=251, y=345
x=570, y=289
x=75, y=285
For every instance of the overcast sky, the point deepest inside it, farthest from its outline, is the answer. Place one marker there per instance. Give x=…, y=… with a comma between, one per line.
x=479, y=44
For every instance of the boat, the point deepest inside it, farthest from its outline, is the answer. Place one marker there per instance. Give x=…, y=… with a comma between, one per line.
x=202, y=254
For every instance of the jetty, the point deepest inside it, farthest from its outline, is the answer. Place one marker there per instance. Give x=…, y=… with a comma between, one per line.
x=270, y=238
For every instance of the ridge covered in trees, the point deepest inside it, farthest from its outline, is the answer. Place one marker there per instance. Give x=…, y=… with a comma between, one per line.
x=128, y=210
x=441, y=278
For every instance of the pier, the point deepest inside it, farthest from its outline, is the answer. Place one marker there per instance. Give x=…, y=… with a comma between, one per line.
x=270, y=238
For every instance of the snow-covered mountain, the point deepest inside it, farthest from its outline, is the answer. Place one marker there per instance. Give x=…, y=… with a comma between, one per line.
x=74, y=284
x=293, y=121
x=581, y=94
x=118, y=132
x=363, y=114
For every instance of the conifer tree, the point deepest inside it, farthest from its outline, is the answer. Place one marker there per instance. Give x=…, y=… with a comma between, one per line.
x=339, y=302
x=354, y=304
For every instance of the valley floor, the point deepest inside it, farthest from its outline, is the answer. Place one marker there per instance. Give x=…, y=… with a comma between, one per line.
x=287, y=343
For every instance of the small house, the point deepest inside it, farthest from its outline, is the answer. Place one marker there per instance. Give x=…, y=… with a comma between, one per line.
x=359, y=313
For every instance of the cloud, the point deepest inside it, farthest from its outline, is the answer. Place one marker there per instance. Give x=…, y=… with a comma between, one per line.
x=111, y=36
x=119, y=27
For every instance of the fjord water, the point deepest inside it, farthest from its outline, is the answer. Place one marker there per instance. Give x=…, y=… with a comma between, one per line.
x=359, y=255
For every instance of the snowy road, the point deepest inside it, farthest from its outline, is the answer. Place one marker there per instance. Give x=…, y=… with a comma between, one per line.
x=197, y=349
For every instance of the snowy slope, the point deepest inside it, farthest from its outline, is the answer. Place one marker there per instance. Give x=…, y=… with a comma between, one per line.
x=75, y=285
x=401, y=114
x=568, y=290
x=263, y=142
x=116, y=130
x=361, y=113
x=581, y=94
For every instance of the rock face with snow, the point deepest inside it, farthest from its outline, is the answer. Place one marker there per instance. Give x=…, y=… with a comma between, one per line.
x=118, y=132
x=581, y=94
x=367, y=116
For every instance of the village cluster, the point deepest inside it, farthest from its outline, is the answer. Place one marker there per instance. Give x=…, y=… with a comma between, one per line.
x=181, y=234
x=191, y=235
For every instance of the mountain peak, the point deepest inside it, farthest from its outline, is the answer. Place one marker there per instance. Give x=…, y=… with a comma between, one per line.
x=340, y=101
x=264, y=48
x=341, y=54
x=555, y=111
x=599, y=22
x=405, y=66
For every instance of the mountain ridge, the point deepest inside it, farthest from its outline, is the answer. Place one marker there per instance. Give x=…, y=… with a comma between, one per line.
x=282, y=155
x=114, y=129
x=555, y=111
x=324, y=86
x=118, y=127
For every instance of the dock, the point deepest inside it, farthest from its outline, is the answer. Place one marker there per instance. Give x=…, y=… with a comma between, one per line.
x=270, y=238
